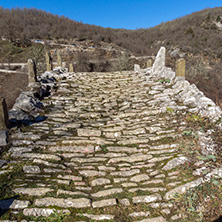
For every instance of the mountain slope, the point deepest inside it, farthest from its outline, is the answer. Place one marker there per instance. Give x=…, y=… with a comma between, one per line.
x=199, y=32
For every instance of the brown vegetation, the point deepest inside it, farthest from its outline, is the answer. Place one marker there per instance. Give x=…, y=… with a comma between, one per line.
x=11, y=85
x=195, y=33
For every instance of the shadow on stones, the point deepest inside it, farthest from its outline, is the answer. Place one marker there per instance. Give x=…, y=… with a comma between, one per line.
x=5, y=205
x=218, y=220
x=28, y=122
x=40, y=119
x=2, y=212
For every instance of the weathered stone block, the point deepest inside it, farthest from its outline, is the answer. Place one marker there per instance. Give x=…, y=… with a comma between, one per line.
x=88, y=132
x=180, y=67
x=3, y=138
x=60, y=202
x=175, y=162
x=31, y=71
x=125, y=202
x=38, y=212
x=149, y=63
x=139, y=178
x=104, y=203
x=100, y=181
x=3, y=114
x=159, y=63
x=137, y=68
x=147, y=199
x=13, y=204
x=48, y=61
x=109, y=192
x=31, y=169
x=59, y=59
x=33, y=191
x=71, y=68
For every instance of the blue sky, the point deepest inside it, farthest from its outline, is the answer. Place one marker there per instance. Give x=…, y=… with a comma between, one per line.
x=129, y=14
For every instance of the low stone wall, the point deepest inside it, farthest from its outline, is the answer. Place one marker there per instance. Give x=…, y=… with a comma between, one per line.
x=28, y=107
x=188, y=94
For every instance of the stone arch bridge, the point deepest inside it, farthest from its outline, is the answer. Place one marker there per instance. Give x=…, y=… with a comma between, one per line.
x=114, y=147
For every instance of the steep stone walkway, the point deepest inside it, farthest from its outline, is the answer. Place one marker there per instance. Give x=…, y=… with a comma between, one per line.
x=108, y=150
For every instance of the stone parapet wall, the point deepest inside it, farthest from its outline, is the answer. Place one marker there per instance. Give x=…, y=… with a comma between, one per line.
x=186, y=93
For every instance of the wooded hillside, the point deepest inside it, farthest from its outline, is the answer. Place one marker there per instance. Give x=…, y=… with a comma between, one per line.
x=199, y=32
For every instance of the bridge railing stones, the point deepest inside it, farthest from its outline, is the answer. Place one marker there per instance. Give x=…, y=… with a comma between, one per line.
x=149, y=63
x=71, y=68
x=188, y=94
x=32, y=78
x=4, y=123
x=159, y=63
x=181, y=67
x=59, y=59
x=49, y=65
x=137, y=68
x=28, y=107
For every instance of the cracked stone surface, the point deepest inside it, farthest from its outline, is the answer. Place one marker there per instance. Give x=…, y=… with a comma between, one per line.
x=65, y=203
x=42, y=212
x=33, y=191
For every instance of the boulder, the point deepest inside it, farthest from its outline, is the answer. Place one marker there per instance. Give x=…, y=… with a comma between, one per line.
x=18, y=116
x=28, y=103
x=37, y=89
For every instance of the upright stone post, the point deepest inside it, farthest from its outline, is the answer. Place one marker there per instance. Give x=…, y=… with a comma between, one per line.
x=180, y=67
x=4, y=122
x=159, y=63
x=71, y=68
x=32, y=78
x=59, y=59
x=48, y=60
x=137, y=68
x=149, y=63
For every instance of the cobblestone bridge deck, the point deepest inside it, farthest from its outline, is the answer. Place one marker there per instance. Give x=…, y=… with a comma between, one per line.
x=110, y=150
